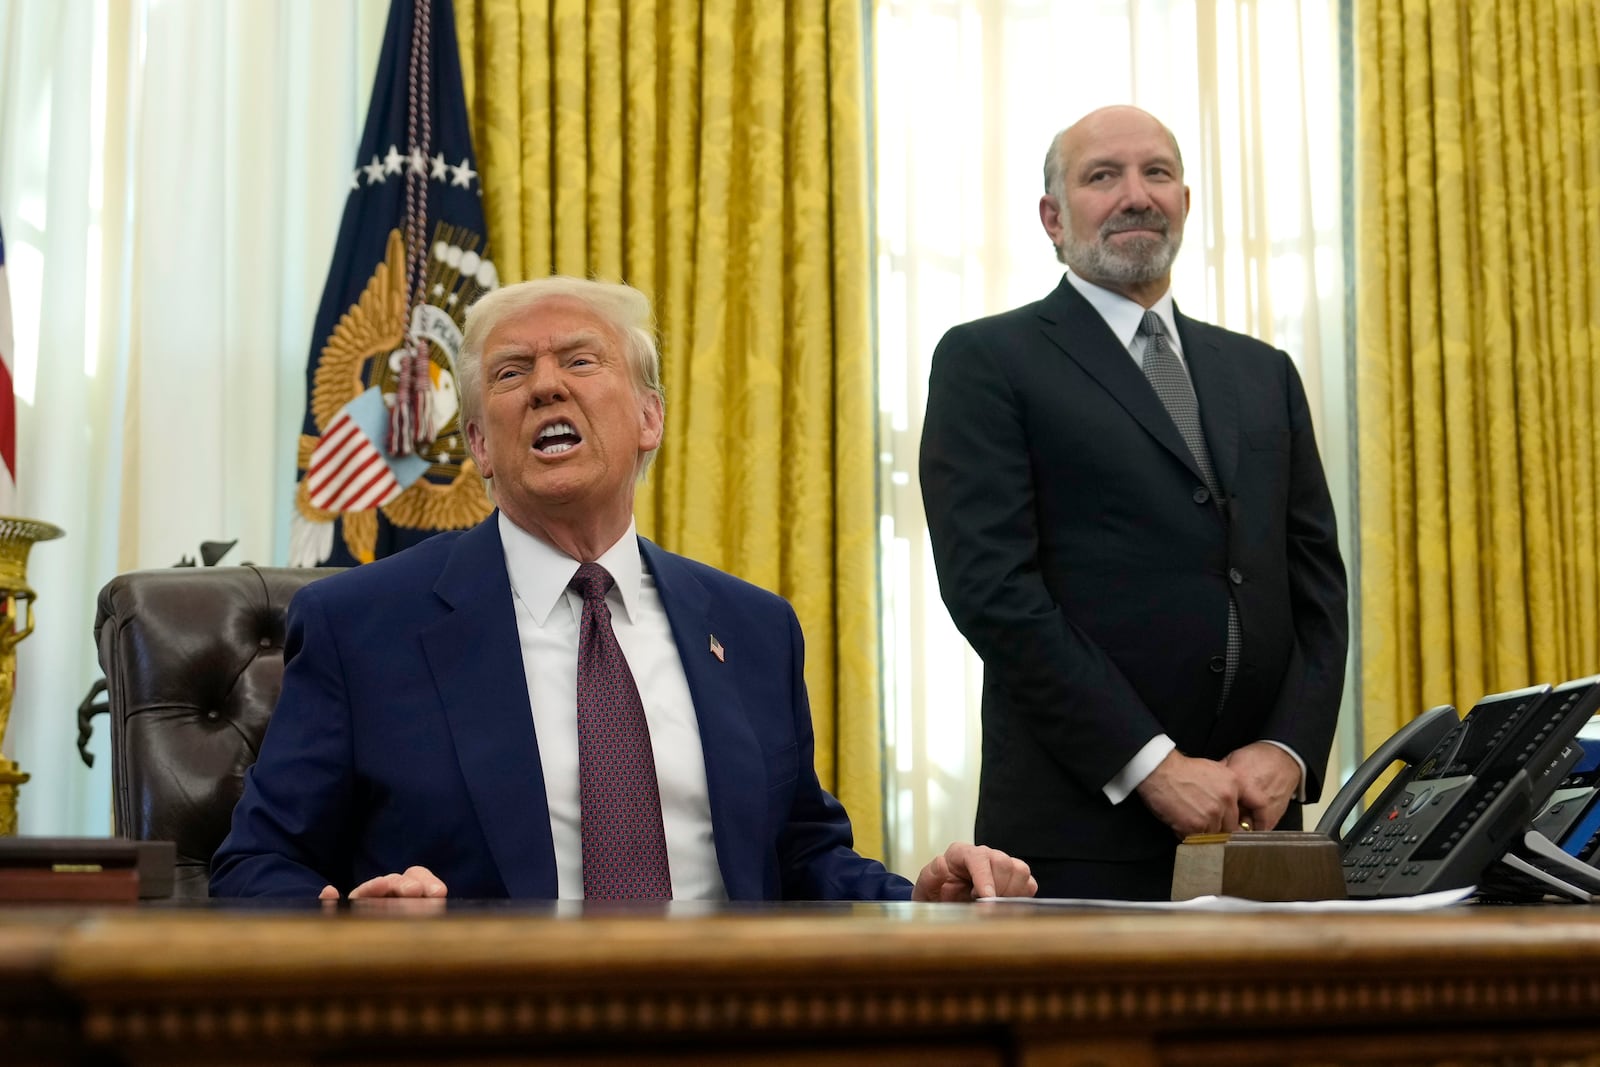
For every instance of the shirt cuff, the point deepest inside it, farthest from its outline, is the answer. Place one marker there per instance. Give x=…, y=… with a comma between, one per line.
x=1299, y=790
x=1139, y=767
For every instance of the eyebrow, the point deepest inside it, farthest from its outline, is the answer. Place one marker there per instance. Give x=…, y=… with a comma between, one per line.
x=560, y=345
x=1116, y=164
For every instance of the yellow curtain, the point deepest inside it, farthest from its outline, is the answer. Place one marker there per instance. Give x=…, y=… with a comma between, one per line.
x=1478, y=227
x=713, y=154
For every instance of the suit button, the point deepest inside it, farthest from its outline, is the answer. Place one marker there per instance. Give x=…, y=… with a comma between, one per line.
x=1218, y=664
x=1201, y=495
x=1234, y=576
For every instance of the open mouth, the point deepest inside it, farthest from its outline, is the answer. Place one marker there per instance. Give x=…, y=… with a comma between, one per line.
x=557, y=438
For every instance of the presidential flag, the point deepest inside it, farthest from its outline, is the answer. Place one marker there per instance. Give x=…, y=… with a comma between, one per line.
x=383, y=459
x=8, y=399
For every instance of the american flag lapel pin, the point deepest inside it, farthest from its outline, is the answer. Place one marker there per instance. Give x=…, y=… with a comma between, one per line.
x=716, y=649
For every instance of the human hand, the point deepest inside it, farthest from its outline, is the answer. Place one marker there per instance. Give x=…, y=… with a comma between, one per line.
x=1268, y=779
x=966, y=872
x=415, y=882
x=1193, y=796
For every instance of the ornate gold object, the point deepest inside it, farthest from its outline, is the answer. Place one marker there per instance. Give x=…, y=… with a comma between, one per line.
x=17, y=536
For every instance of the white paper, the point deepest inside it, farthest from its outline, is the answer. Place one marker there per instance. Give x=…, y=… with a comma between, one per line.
x=1421, y=902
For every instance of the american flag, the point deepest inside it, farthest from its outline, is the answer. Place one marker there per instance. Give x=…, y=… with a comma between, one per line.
x=8, y=400
x=350, y=470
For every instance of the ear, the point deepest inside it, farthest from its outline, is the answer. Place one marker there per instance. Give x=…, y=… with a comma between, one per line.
x=1050, y=218
x=653, y=424
x=480, y=449
x=1186, y=203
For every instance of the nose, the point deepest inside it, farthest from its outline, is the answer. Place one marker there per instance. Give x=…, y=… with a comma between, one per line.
x=546, y=384
x=1136, y=194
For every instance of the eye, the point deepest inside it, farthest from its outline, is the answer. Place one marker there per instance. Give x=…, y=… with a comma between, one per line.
x=507, y=372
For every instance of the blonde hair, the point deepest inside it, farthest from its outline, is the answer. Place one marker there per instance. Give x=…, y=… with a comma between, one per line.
x=622, y=307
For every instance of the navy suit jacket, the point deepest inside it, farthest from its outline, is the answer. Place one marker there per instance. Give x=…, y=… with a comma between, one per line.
x=404, y=736
x=1080, y=552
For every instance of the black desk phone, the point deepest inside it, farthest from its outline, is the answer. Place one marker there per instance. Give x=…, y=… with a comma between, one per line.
x=1572, y=817
x=1556, y=856
x=1467, y=795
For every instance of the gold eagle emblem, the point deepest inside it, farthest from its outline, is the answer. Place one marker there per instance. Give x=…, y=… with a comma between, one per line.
x=357, y=356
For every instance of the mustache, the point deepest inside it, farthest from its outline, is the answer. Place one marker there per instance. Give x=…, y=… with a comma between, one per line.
x=1137, y=220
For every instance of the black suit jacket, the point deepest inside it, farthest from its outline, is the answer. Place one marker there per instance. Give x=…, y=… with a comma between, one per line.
x=1079, y=551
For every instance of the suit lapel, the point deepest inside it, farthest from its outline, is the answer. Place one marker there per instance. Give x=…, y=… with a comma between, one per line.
x=1073, y=325
x=734, y=761
x=1217, y=391
x=476, y=659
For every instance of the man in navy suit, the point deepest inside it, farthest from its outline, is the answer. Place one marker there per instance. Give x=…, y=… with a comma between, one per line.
x=1131, y=526
x=428, y=741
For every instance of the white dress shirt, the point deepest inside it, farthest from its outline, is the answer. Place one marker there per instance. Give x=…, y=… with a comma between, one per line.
x=1124, y=317
x=548, y=614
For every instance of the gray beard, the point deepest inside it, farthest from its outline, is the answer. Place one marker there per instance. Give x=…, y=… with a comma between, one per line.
x=1144, y=259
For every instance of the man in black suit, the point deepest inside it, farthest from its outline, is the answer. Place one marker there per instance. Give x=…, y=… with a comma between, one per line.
x=1131, y=526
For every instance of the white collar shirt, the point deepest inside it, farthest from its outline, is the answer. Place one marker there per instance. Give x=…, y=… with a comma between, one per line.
x=1124, y=317
x=548, y=616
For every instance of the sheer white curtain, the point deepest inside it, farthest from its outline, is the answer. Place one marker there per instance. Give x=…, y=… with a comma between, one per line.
x=171, y=178
x=968, y=96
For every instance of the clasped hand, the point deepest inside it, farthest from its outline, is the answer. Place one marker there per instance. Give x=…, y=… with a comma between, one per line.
x=1249, y=788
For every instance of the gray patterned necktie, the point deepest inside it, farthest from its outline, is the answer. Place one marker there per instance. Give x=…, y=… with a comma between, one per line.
x=1171, y=382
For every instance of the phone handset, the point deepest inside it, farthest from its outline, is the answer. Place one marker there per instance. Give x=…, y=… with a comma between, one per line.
x=1411, y=744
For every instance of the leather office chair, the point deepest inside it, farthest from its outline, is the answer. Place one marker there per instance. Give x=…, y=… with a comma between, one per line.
x=194, y=662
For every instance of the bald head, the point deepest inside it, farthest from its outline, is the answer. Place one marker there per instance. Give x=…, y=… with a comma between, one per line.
x=1069, y=141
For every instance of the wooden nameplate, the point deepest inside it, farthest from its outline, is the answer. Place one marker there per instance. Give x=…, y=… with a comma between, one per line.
x=83, y=869
x=1259, y=865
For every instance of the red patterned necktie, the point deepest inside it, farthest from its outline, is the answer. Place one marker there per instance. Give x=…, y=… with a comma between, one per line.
x=624, y=846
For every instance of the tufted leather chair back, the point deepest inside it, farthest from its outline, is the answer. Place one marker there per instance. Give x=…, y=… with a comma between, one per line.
x=194, y=662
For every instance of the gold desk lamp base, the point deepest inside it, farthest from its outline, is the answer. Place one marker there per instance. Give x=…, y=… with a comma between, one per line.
x=17, y=536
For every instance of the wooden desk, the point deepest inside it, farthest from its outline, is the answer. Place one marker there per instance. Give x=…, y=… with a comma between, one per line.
x=886, y=984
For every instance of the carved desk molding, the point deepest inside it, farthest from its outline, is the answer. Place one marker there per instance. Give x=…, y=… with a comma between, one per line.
x=960, y=984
